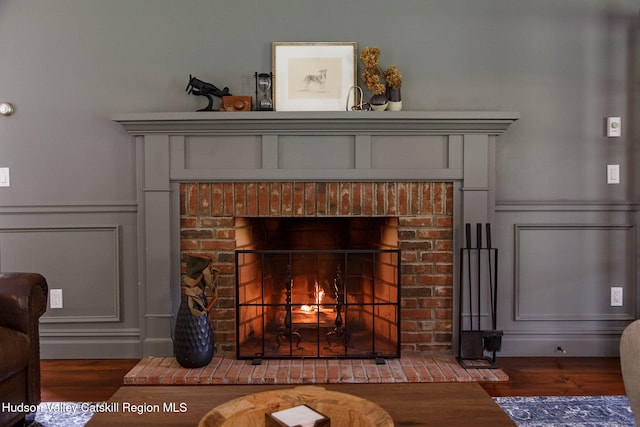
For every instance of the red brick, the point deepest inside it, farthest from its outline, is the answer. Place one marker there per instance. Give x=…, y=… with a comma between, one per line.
x=417, y=221
x=275, y=193
x=356, y=198
x=219, y=221
x=334, y=200
x=217, y=199
x=183, y=199
x=434, y=279
x=240, y=206
x=190, y=222
x=367, y=199
x=425, y=197
x=414, y=197
x=204, y=199
x=287, y=199
x=187, y=245
x=403, y=199
x=380, y=202
x=391, y=199
x=228, y=191
x=310, y=199
x=298, y=199
x=263, y=199
x=252, y=199
x=345, y=198
x=449, y=196
x=439, y=198
x=192, y=199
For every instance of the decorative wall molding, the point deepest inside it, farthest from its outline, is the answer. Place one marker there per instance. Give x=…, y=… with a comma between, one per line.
x=72, y=208
x=565, y=206
x=72, y=258
x=551, y=291
x=90, y=333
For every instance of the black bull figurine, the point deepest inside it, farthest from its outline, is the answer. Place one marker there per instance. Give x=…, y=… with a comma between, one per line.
x=199, y=88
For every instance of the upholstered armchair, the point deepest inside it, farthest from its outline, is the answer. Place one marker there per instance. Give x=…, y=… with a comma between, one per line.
x=23, y=299
x=630, y=365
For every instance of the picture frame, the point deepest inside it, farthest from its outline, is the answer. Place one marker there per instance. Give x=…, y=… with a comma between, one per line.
x=313, y=76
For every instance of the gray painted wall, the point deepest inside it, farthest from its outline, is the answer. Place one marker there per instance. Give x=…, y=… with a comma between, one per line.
x=68, y=65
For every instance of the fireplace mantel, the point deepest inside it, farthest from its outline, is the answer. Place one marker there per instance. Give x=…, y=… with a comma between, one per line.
x=439, y=122
x=296, y=146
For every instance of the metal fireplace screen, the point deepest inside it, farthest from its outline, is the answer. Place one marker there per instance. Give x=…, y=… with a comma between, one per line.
x=318, y=303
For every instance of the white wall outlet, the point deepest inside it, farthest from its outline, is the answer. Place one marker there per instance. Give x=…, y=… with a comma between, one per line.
x=613, y=174
x=614, y=127
x=616, y=296
x=4, y=177
x=55, y=298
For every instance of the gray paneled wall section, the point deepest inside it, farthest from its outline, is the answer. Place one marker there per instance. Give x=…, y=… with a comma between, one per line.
x=559, y=261
x=89, y=252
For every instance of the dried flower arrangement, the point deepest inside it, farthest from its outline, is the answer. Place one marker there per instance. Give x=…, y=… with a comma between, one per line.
x=393, y=77
x=370, y=57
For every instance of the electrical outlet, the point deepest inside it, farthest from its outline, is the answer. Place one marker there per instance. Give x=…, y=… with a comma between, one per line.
x=616, y=296
x=55, y=298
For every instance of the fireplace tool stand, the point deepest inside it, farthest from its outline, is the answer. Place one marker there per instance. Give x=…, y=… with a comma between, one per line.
x=477, y=346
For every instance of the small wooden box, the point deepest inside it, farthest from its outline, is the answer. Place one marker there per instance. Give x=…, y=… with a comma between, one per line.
x=236, y=103
x=298, y=416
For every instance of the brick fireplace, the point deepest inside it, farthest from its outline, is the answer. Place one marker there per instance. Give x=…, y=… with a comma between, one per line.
x=422, y=213
x=200, y=174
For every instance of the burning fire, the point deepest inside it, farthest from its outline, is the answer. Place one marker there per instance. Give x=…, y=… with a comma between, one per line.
x=318, y=294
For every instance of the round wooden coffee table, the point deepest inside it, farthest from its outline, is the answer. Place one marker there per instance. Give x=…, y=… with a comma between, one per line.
x=345, y=410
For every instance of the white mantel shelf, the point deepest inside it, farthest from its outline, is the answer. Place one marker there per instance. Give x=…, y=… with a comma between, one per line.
x=384, y=122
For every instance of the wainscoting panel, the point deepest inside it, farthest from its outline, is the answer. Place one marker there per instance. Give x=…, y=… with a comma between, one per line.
x=565, y=272
x=428, y=152
x=304, y=152
x=83, y=261
x=215, y=152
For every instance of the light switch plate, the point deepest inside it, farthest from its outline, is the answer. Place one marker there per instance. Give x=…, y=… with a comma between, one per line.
x=4, y=177
x=614, y=127
x=613, y=174
x=617, y=296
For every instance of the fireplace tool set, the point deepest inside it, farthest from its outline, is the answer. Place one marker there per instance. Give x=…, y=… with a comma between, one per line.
x=478, y=290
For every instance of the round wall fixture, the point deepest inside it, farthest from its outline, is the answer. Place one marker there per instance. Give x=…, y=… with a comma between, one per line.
x=6, y=109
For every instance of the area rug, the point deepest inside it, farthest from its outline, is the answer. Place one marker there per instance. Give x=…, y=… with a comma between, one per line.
x=65, y=414
x=547, y=411
x=568, y=411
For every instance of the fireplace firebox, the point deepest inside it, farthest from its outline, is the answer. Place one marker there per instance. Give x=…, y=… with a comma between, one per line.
x=318, y=303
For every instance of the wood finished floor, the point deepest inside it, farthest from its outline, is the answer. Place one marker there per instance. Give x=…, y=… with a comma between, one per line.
x=97, y=380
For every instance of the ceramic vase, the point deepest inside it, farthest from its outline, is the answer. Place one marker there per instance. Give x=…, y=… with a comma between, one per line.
x=378, y=102
x=193, y=343
x=193, y=339
x=395, y=99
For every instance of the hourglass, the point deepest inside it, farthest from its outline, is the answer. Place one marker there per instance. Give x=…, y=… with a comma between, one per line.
x=264, y=101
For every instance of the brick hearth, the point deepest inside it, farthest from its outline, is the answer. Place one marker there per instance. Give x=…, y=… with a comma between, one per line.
x=208, y=213
x=411, y=368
